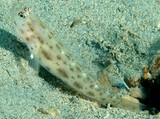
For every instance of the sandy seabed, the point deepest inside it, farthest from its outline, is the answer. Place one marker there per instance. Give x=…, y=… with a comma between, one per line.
x=92, y=30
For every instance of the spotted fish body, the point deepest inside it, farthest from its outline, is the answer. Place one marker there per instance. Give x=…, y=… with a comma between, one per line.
x=51, y=54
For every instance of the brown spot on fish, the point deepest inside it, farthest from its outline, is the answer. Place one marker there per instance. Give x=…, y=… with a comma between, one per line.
x=40, y=40
x=114, y=101
x=68, y=56
x=27, y=38
x=50, y=35
x=71, y=69
x=51, y=47
x=31, y=48
x=22, y=32
x=78, y=68
x=31, y=29
x=63, y=73
x=100, y=93
x=78, y=85
x=90, y=94
x=46, y=54
x=97, y=89
x=65, y=62
x=57, y=45
x=78, y=76
x=57, y=63
x=103, y=99
x=60, y=44
x=58, y=57
x=32, y=37
x=42, y=25
x=91, y=86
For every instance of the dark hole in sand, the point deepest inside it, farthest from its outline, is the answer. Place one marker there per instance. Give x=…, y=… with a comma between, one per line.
x=152, y=90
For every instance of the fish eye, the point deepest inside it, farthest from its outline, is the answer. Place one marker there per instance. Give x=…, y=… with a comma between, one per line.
x=21, y=14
